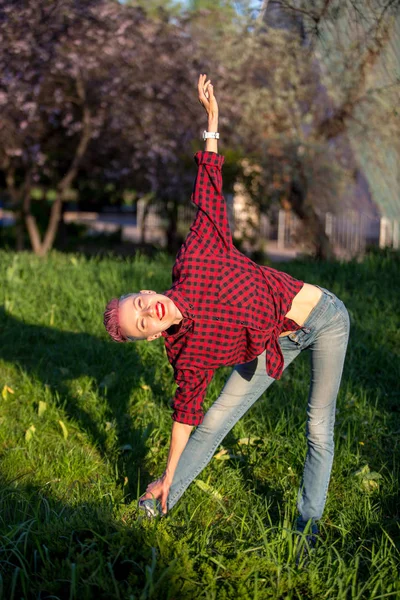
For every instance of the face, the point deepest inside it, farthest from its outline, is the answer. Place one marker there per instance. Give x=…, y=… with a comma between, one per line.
x=147, y=314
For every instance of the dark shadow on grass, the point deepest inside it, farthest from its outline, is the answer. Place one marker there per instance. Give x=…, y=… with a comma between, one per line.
x=56, y=358
x=52, y=549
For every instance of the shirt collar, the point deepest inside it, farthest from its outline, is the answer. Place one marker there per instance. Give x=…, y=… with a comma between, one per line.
x=184, y=307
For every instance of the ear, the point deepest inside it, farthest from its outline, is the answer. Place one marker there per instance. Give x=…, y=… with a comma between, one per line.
x=153, y=337
x=147, y=292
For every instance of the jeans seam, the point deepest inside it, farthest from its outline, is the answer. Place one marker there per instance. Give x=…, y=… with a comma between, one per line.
x=345, y=317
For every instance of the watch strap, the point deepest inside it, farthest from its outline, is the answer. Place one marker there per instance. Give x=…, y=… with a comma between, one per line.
x=214, y=135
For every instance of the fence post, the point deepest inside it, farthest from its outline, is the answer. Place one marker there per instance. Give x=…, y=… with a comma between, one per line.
x=328, y=224
x=395, y=235
x=140, y=204
x=355, y=232
x=281, y=228
x=383, y=232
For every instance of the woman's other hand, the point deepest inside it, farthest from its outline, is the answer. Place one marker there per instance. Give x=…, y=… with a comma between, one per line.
x=158, y=490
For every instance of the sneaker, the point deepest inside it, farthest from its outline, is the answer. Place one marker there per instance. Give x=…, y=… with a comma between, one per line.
x=305, y=548
x=151, y=507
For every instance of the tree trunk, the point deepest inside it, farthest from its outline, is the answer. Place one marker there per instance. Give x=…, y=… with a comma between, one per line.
x=16, y=195
x=51, y=232
x=307, y=214
x=38, y=246
x=42, y=247
x=323, y=248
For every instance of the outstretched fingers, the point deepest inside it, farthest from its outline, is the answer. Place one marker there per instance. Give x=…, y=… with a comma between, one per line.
x=203, y=90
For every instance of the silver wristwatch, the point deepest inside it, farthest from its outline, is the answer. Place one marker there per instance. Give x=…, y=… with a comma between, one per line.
x=214, y=135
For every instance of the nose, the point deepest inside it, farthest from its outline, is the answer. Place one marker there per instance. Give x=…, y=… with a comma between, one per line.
x=149, y=310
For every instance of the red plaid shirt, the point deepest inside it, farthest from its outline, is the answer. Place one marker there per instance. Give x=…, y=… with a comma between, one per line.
x=233, y=309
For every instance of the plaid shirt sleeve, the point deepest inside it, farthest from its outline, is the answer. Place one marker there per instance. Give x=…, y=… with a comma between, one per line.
x=211, y=221
x=189, y=397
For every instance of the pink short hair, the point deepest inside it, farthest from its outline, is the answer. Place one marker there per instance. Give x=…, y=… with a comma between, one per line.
x=111, y=321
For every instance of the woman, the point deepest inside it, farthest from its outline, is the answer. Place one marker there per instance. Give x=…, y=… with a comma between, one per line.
x=223, y=309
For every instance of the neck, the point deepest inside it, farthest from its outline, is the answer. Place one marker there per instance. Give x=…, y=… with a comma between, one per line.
x=178, y=314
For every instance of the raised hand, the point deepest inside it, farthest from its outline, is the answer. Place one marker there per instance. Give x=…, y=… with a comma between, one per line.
x=206, y=96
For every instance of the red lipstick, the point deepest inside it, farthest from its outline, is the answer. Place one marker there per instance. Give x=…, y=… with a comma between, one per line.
x=160, y=310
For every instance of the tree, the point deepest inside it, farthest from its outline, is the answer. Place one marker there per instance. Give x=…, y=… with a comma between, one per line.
x=50, y=110
x=267, y=86
x=348, y=43
x=294, y=84
x=95, y=87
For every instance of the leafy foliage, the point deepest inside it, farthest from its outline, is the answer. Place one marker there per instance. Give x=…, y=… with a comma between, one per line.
x=100, y=96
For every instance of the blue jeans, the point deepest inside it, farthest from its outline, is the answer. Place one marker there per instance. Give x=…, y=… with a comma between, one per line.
x=325, y=334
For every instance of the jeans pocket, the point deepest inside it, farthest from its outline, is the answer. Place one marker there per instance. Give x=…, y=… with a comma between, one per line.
x=298, y=338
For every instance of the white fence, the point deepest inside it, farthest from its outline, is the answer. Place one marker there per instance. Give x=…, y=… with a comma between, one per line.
x=349, y=232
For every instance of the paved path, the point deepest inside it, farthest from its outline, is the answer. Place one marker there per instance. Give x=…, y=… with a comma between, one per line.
x=112, y=222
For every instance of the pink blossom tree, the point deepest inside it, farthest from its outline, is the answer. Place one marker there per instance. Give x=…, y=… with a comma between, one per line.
x=93, y=85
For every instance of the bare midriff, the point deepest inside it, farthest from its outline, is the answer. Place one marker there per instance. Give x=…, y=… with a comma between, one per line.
x=302, y=305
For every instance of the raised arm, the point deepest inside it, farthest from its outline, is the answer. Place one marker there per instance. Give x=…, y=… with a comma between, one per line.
x=211, y=223
x=209, y=102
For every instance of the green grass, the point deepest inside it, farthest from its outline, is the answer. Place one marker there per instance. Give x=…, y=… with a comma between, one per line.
x=85, y=424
